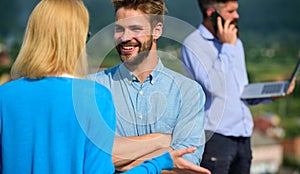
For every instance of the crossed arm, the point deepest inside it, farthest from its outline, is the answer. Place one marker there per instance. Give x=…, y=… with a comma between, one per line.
x=131, y=151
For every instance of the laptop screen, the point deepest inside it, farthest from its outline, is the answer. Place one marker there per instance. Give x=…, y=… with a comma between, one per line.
x=295, y=71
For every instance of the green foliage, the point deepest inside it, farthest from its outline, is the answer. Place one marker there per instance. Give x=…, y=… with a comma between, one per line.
x=290, y=161
x=14, y=51
x=4, y=69
x=291, y=127
x=112, y=59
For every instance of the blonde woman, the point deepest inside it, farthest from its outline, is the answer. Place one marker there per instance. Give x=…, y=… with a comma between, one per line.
x=51, y=119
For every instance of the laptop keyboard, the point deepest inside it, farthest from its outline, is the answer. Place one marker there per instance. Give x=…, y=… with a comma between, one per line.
x=272, y=88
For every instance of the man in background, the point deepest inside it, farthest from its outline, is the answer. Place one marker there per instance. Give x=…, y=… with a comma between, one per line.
x=213, y=55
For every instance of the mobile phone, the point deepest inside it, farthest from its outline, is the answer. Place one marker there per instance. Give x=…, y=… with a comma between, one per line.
x=214, y=18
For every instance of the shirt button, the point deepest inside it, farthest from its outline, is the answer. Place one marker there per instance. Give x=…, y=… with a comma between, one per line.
x=141, y=92
x=140, y=116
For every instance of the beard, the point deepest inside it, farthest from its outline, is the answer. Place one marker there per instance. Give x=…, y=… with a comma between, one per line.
x=235, y=22
x=143, y=52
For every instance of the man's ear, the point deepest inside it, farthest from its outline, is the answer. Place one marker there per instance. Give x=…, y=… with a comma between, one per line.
x=209, y=11
x=157, y=30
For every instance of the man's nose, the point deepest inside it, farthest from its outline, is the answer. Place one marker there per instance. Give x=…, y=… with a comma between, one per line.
x=236, y=15
x=126, y=36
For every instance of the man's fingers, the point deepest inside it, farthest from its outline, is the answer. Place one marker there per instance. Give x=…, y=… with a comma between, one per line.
x=194, y=168
x=182, y=152
x=201, y=170
x=292, y=86
x=183, y=164
x=220, y=26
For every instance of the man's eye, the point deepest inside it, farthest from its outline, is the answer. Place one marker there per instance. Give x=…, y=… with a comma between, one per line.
x=136, y=29
x=118, y=29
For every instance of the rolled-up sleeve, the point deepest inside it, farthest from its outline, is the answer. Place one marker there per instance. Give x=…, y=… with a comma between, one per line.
x=189, y=130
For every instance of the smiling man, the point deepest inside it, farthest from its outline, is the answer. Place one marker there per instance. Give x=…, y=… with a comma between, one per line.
x=158, y=109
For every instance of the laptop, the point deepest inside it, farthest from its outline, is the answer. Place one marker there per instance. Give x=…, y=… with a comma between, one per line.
x=269, y=89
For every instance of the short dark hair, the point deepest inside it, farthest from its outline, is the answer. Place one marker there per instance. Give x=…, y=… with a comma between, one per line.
x=205, y=4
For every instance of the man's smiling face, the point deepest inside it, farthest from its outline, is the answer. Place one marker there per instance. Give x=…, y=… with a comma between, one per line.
x=133, y=35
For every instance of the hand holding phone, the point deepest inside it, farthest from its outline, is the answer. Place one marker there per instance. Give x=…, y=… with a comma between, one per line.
x=214, y=18
x=227, y=33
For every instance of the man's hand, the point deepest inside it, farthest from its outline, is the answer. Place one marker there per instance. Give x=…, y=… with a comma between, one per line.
x=289, y=91
x=183, y=166
x=292, y=86
x=227, y=33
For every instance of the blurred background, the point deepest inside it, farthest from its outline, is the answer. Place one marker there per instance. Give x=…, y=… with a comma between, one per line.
x=270, y=31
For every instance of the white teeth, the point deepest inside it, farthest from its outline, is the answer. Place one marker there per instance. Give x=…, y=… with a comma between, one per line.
x=128, y=47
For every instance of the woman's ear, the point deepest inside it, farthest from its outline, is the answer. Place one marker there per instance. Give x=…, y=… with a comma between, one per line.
x=157, y=30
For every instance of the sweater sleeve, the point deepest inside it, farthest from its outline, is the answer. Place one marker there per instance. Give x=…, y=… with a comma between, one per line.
x=155, y=165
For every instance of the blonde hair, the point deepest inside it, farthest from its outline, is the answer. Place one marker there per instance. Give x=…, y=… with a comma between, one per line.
x=54, y=40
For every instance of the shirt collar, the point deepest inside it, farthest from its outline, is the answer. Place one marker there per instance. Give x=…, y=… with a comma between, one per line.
x=156, y=72
x=126, y=74
x=205, y=32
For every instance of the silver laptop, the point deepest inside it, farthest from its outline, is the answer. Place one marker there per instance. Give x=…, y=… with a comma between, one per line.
x=269, y=89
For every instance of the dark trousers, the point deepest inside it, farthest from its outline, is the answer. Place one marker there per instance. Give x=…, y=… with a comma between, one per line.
x=227, y=155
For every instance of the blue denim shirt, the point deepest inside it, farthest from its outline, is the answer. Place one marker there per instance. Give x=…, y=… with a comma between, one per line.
x=221, y=71
x=166, y=102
